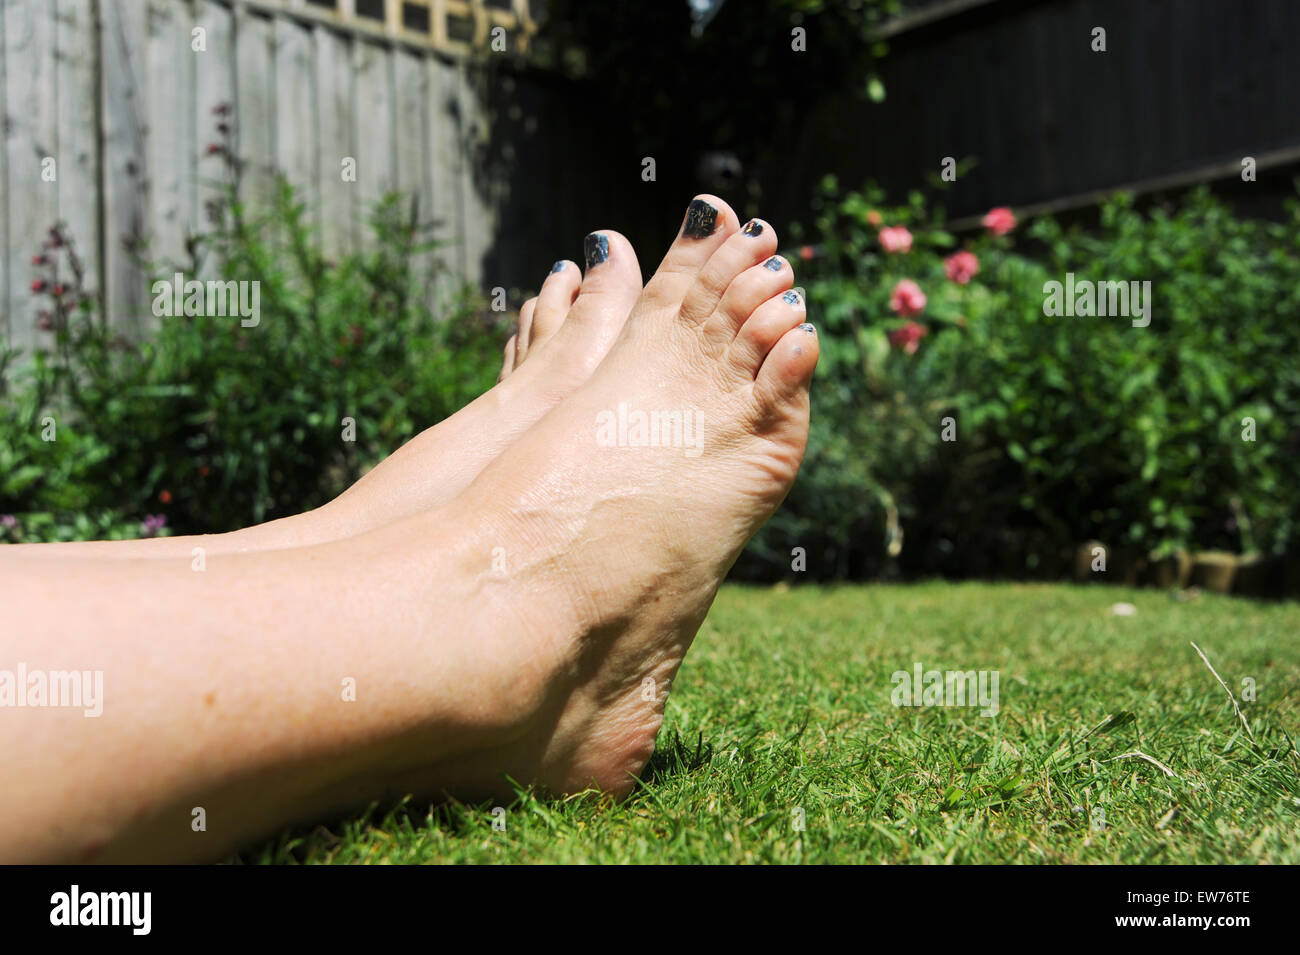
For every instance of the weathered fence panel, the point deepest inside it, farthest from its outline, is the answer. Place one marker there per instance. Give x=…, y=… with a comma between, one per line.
x=121, y=97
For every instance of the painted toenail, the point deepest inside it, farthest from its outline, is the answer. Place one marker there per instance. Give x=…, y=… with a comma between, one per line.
x=701, y=220
x=774, y=263
x=791, y=298
x=808, y=328
x=597, y=248
x=558, y=266
x=753, y=227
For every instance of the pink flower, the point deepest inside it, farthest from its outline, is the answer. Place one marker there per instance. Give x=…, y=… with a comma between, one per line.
x=908, y=299
x=908, y=337
x=1000, y=221
x=895, y=238
x=152, y=524
x=961, y=267
x=807, y=252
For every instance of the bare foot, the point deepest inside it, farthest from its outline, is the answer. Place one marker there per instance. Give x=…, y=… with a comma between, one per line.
x=613, y=520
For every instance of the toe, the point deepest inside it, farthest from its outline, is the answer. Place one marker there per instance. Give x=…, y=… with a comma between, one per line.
x=751, y=288
x=508, y=364
x=763, y=329
x=554, y=300
x=525, y=330
x=781, y=388
x=613, y=280
x=707, y=224
x=750, y=246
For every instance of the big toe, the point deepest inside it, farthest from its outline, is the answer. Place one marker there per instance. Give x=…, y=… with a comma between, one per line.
x=708, y=223
x=609, y=289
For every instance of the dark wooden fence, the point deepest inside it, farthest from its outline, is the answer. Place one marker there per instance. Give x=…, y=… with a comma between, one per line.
x=1185, y=89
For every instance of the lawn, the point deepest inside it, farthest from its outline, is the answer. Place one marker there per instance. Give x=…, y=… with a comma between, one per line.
x=782, y=743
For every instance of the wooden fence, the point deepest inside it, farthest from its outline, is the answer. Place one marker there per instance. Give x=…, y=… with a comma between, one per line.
x=120, y=96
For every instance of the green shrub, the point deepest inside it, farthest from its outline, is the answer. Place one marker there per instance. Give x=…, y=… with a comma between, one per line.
x=217, y=426
x=1067, y=428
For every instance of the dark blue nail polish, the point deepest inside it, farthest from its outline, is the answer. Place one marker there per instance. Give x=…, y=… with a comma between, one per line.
x=774, y=263
x=557, y=267
x=701, y=220
x=791, y=298
x=753, y=227
x=808, y=328
x=596, y=247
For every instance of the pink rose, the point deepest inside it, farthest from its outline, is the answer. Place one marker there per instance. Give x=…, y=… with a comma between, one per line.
x=1000, y=221
x=961, y=267
x=908, y=299
x=895, y=238
x=908, y=338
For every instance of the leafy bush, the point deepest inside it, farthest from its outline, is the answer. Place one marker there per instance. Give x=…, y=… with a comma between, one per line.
x=214, y=425
x=1066, y=428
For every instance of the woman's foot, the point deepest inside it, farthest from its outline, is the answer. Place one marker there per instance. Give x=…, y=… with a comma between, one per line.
x=564, y=332
x=610, y=524
x=563, y=335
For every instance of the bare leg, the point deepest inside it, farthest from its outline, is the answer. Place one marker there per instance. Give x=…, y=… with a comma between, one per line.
x=514, y=631
x=228, y=691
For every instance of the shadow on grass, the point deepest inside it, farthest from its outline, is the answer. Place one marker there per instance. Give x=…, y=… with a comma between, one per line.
x=672, y=758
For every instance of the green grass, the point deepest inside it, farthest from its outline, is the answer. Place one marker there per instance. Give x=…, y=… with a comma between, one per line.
x=784, y=704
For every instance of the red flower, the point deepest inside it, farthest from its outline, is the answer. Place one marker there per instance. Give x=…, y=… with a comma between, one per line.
x=961, y=267
x=213, y=149
x=908, y=338
x=204, y=470
x=165, y=496
x=907, y=299
x=39, y=260
x=59, y=289
x=895, y=238
x=38, y=285
x=1000, y=221
x=873, y=219
x=807, y=252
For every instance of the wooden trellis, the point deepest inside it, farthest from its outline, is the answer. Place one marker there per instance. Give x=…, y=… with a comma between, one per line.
x=457, y=26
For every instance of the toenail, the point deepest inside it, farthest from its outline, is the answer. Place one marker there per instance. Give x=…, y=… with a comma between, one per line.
x=774, y=263
x=597, y=248
x=753, y=227
x=808, y=328
x=791, y=298
x=701, y=220
x=558, y=266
